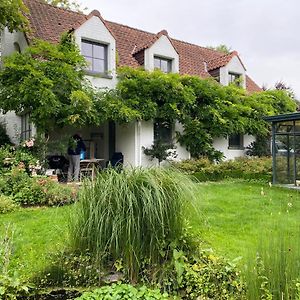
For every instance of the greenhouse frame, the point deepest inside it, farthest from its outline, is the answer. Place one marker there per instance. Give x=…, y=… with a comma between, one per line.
x=285, y=147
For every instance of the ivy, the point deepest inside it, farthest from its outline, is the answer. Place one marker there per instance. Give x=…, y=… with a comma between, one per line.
x=48, y=81
x=205, y=108
x=12, y=15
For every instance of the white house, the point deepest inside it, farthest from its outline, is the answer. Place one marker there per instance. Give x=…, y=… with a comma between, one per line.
x=107, y=45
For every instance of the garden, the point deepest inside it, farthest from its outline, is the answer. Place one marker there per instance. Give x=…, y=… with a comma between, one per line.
x=199, y=229
x=192, y=230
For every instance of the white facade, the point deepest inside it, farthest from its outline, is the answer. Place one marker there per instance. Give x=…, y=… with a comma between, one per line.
x=222, y=144
x=94, y=30
x=130, y=139
x=234, y=66
x=161, y=48
x=12, y=42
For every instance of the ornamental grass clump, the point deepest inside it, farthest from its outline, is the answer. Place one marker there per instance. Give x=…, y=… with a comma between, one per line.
x=275, y=272
x=131, y=215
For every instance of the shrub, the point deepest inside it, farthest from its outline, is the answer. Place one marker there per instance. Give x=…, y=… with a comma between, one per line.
x=124, y=291
x=207, y=276
x=243, y=168
x=6, y=204
x=191, y=166
x=4, y=138
x=26, y=190
x=161, y=151
x=260, y=147
x=131, y=215
x=11, y=157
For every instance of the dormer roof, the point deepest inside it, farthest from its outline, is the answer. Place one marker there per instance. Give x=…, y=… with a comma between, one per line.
x=48, y=22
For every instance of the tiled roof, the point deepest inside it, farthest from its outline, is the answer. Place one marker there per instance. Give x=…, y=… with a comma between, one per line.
x=48, y=22
x=251, y=86
x=218, y=62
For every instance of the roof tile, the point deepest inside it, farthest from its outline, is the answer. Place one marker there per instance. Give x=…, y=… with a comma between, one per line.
x=48, y=22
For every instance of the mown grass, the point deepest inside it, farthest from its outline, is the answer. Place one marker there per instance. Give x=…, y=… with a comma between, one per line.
x=237, y=214
x=234, y=218
x=37, y=232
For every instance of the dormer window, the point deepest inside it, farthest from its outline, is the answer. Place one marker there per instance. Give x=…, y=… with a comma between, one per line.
x=234, y=78
x=163, y=64
x=95, y=55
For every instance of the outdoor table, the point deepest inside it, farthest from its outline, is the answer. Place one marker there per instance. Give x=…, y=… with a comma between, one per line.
x=88, y=166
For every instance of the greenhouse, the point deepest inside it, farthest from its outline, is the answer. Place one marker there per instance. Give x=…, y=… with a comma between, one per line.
x=286, y=148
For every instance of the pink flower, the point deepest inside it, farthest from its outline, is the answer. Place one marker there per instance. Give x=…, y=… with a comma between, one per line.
x=30, y=143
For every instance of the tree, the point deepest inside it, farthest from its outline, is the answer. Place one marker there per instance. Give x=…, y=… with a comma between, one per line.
x=221, y=48
x=160, y=151
x=67, y=4
x=12, y=15
x=282, y=86
x=47, y=81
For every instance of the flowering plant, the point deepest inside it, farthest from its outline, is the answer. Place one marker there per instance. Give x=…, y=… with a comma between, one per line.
x=29, y=143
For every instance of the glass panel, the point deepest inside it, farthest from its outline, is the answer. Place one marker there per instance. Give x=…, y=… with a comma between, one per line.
x=163, y=131
x=297, y=154
x=297, y=126
x=235, y=141
x=89, y=61
x=284, y=127
x=285, y=153
x=156, y=63
x=87, y=49
x=164, y=66
x=99, y=65
x=99, y=51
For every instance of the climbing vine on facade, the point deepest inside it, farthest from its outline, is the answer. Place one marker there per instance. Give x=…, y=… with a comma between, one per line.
x=32, y=82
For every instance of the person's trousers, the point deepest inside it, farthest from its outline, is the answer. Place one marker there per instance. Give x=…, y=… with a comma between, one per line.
x=74, y=167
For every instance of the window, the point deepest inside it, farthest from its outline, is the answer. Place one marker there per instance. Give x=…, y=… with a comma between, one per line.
x=26, y=129
x=163, y=64
x=236, y=141
x=95, y=55
x=163, y=131
x=234, y=78
x=17, y=47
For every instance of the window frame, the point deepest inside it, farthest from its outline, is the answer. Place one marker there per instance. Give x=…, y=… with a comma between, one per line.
x=233, y=146
x=92, y=70
x=161, y=59
x=159, y=135
x=236, y=80
x=26, y=127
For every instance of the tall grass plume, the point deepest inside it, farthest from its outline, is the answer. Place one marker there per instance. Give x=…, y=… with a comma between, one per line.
x=131, y=215
x=275, y=271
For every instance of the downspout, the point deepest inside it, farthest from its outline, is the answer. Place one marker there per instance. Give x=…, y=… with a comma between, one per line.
x=274, y=152
x=138, y=144
x=294, y=147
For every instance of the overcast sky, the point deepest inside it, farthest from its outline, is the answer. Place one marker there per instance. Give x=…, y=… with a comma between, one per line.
x=264, y=32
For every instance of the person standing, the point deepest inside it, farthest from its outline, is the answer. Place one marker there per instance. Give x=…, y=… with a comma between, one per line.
x=76, y=146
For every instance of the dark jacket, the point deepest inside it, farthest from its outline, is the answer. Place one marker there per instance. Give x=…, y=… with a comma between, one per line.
x=80, y=146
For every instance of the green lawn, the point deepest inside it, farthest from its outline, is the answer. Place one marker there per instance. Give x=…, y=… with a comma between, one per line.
x=36, y=233
x=234, y=217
